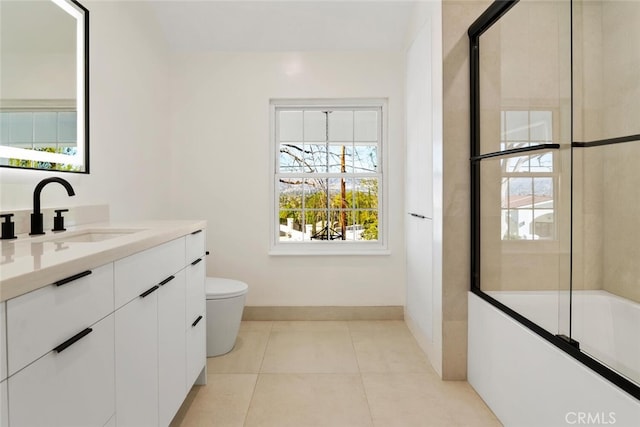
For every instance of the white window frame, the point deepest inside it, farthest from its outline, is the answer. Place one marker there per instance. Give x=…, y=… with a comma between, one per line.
x=378, y=247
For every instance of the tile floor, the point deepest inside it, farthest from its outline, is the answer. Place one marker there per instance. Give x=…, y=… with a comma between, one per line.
x=329, y=374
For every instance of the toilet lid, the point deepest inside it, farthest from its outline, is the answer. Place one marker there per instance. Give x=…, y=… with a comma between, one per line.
x=219, y=288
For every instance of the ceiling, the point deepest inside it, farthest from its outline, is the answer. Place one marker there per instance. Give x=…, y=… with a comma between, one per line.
x=293, y=25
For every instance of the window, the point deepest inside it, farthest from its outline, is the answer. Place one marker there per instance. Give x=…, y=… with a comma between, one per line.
x=529, y=181
x=328, y=177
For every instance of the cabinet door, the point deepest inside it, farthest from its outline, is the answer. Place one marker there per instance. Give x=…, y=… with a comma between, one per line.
x=171, y=347
x=196, y=320
x=196, y=349
x=136, y=349
x=40, y=320
x=420, y=300
x=70, y=387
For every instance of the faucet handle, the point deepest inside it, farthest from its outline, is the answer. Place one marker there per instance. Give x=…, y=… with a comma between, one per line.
x=8, y=227
x=58, y=220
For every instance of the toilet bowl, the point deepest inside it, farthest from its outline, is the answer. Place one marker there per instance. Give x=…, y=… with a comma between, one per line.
x=225, y=302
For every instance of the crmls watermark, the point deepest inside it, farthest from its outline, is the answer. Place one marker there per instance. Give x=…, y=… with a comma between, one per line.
x=590, y=418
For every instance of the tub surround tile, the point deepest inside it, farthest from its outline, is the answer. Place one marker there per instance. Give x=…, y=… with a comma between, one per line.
x=456, y=362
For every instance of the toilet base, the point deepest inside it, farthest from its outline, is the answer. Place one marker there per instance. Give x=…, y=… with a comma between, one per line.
x=223, y=324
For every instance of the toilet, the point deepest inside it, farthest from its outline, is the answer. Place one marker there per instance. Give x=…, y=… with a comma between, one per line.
x=225, y=302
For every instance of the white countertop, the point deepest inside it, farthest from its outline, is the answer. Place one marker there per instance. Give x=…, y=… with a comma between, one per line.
x=28, y=263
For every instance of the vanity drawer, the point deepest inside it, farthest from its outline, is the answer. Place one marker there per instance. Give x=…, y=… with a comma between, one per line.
x=71, y=387
x=195, y=245
x=39, y=321
x=137, y=273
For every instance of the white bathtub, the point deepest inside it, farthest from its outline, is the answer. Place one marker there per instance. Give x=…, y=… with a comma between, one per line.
x=528, y=382
x=606, y=325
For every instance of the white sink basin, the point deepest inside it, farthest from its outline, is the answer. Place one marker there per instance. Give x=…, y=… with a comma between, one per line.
x=92, y=235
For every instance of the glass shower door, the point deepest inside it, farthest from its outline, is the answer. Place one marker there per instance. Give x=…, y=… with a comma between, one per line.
x=523, y=163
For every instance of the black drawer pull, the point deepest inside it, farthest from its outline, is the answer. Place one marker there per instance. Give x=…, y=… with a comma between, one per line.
x=72, y=278
x=77, y=337
x=196, y=261
x=167, y=280
x=197, y=231
x=417, y=215
x=196, y=321
x=149, y=291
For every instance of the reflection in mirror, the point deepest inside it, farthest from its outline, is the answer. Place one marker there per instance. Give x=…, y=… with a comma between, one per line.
x=44, y=85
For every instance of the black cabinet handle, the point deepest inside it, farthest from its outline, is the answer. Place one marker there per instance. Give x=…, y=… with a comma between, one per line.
x=72, y=278
x=77, y=337
x=149, y=291
x=196, y=321
x=417, y=215
x=197, y=231
x=196, y=261
x=167, y=280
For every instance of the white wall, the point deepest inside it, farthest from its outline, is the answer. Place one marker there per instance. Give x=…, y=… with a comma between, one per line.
x=129, y=136
x=423, y=183
x=220, y=128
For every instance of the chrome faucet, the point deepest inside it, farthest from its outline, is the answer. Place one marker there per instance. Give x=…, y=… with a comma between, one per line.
x=36, y=217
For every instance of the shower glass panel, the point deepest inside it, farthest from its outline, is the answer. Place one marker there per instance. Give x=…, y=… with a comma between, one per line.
x=606, y=288
x=606, y=192
x=524, y=162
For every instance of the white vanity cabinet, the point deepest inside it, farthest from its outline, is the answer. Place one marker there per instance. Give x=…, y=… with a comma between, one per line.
x=118, y=345
x=152, y=381
x=196, y=306
x=60, y=352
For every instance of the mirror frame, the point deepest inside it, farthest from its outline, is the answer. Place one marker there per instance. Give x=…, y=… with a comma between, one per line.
x=81, y=14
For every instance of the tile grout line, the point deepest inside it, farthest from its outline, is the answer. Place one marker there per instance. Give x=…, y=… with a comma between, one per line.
x=253, y=393
x=364, y=389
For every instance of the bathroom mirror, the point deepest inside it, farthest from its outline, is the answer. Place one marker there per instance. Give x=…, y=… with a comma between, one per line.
x=44, y=96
